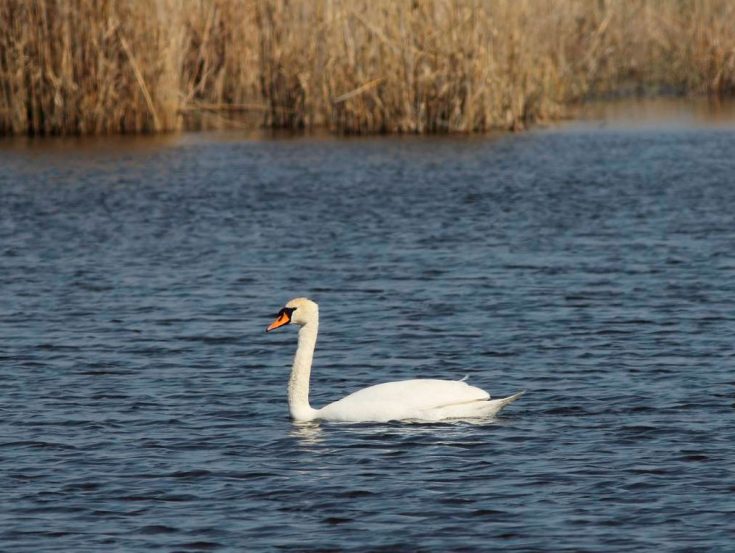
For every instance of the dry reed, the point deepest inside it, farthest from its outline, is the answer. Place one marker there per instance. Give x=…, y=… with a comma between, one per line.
x=351, y=66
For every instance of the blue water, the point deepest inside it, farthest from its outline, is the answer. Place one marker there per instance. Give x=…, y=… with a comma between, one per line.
x=143, y=408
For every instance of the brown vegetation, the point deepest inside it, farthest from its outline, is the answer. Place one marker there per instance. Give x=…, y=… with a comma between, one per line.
x=351, y=66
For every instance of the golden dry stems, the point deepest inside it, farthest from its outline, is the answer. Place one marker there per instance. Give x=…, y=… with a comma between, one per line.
x=351, y=66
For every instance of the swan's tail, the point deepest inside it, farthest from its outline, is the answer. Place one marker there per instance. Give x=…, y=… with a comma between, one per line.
x=510, y=399
x=483, y=408
x=494, y=406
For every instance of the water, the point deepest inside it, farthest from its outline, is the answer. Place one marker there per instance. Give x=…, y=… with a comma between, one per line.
x=144, y=408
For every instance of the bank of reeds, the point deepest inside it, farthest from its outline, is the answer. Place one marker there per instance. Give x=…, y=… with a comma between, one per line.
x=351, y=66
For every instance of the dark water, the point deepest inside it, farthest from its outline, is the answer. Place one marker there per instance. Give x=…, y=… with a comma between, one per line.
x=143, y=408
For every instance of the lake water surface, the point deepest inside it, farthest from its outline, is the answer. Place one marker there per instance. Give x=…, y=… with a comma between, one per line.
x=143, y=408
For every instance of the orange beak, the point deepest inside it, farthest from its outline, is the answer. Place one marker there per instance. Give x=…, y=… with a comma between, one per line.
x=282, y=320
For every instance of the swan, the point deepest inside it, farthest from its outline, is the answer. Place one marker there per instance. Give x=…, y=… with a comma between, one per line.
x=418, y=400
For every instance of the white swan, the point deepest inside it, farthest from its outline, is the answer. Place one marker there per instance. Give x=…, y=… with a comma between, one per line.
x=422, y=399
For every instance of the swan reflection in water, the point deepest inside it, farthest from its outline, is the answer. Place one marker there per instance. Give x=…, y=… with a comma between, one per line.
x=307, y=433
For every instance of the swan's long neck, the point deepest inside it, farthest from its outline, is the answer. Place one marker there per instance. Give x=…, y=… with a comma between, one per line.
x=298, y=384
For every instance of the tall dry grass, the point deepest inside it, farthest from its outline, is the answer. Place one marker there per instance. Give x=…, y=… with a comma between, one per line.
x=352, y=66
x=85, y=66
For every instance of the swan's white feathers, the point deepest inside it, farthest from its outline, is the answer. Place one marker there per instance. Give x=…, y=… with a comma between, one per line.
x=405, y=399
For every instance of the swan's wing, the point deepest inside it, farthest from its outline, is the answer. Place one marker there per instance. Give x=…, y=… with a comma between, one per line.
x=405, y=399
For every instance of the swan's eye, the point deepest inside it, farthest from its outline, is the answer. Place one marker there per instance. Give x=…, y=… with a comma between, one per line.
x=288, y=311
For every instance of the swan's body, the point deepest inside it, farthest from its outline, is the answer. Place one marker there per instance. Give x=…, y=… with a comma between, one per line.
x=420, y=399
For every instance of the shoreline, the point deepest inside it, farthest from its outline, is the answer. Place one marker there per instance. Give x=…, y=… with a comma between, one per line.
x=622, y=114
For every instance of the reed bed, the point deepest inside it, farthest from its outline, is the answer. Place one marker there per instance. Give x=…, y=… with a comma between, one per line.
x=350, y=66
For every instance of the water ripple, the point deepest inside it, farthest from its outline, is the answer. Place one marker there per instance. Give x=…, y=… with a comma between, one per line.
x=144, y=407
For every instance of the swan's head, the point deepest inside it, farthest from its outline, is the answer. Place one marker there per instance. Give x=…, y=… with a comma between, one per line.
x=299, y=311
